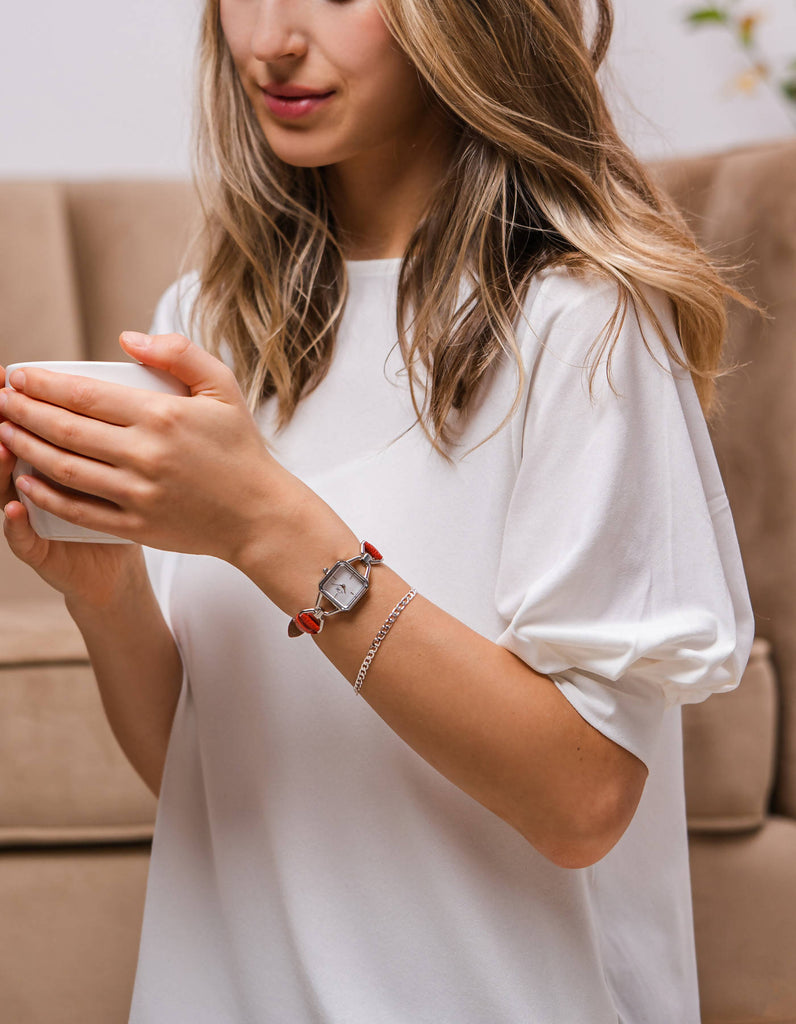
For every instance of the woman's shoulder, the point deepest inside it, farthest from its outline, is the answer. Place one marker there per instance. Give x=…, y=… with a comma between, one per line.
x=568, y=309
x=173, y=311
x=560, y=290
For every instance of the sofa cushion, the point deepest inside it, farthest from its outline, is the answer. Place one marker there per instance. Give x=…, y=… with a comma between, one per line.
x=729, y=748
x=745, y=924
x=63, y=776
x=38, y=632
x=38, y=298
x=71, y=928
x=129, y=238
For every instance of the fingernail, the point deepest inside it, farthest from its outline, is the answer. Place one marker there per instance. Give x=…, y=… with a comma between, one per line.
x=17, y=380
x=136, y=339
x=22, y=483
x=3, y=400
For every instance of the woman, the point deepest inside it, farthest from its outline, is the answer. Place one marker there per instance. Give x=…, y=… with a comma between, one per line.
x=472, y=335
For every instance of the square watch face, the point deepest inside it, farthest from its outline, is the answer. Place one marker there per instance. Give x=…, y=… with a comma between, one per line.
x=343, y=585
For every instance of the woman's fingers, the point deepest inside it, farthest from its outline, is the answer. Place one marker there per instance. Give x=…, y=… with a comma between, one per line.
x=198, y=370
x=80, y=509
x=65, y=468
x=67, y=430
x=97, y=399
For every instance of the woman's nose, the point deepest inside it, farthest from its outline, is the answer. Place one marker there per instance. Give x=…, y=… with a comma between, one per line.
x=279, y=31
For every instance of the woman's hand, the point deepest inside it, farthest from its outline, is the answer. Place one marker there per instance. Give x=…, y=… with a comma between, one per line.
x=90, y=573
x=181, y=473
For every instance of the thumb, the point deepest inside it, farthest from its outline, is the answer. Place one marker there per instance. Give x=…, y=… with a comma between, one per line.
x=201, y=372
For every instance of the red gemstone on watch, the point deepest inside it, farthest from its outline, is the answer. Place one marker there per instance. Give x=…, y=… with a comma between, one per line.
x=373, y=552
x=307, y=622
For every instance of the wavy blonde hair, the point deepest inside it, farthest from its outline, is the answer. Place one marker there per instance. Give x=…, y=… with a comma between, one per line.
x=539, y=177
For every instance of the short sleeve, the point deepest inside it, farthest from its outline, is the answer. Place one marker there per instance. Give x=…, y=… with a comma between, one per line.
x=172, y=313
x=620, y=575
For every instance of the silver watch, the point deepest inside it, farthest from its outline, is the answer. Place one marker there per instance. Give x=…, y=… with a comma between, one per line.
x=342, y=586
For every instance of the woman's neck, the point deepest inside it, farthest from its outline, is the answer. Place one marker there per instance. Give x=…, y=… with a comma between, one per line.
x=379, y=198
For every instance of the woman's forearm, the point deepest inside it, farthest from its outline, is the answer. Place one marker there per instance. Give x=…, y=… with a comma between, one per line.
x=501, y=732
x=138, y=670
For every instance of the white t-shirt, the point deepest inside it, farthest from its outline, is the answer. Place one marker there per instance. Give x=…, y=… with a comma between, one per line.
x=307, y=866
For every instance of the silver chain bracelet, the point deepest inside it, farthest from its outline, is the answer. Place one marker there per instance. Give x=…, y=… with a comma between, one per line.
x=382, y=633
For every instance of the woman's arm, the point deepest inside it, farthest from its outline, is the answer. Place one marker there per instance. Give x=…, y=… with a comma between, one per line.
x=138, y=670
x=501, y=732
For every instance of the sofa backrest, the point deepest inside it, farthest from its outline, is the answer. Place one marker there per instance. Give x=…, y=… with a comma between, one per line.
x=79, y=263
x=742, y=207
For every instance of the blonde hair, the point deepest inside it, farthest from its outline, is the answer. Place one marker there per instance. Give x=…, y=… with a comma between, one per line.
x=539, y=178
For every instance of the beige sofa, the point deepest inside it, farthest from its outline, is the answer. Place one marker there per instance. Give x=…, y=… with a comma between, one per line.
x=83, y=261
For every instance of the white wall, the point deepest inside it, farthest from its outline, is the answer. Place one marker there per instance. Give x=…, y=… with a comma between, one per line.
x=95, y=88
x=99, y=88
x=669, y=84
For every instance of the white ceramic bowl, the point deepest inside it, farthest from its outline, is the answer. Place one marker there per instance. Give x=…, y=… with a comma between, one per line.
x=132, y=375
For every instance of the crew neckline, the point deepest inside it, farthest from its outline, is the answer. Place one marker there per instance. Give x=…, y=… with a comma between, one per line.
x=370, y=268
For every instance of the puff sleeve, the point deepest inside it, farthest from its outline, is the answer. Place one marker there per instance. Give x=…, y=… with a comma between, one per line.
x=620, y=575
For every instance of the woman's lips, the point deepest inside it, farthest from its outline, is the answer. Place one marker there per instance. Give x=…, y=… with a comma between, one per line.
x=295, y=106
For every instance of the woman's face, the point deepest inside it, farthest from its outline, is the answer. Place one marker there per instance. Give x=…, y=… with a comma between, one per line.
x=363, y=93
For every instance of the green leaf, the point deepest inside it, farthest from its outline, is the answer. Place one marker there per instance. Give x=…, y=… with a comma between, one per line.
x=706, y=15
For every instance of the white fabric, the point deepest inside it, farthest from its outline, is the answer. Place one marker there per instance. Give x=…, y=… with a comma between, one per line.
x=307, y=866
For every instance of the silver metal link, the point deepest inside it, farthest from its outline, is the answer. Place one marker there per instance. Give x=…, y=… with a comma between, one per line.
x=382, y=633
